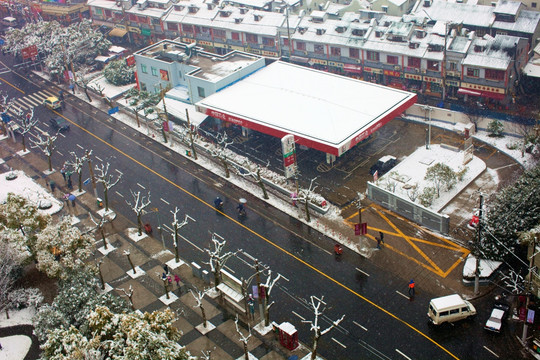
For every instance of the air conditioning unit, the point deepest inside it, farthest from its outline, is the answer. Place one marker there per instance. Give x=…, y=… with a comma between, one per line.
x=305, y=52
x=397, y=67
x=423, y=71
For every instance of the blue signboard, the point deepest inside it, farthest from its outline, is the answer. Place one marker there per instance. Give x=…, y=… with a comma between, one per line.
x=2, y=42
x=113, y=110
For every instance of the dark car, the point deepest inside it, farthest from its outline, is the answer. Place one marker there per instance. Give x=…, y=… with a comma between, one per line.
x=382, y=166
x=498, y=314
x=59, y=124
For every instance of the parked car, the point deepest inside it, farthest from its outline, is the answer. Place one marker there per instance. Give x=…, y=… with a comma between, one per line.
x=498, y=314
x=52, y=102
x=384, y=164
x=59, y=124
x=448, y=309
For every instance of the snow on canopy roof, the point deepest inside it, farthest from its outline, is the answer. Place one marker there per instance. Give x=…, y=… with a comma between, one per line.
x=447, y=301
x=324, y=111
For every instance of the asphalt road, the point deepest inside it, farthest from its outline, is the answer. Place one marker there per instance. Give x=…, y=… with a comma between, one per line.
x=381, y=322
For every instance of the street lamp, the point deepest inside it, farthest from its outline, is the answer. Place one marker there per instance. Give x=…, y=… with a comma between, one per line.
x=428, y=109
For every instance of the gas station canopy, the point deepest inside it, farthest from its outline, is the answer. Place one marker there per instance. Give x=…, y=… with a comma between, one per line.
x=323, y=111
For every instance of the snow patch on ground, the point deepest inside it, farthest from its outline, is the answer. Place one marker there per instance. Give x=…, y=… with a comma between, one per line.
x=15, y=347
x=20, y=317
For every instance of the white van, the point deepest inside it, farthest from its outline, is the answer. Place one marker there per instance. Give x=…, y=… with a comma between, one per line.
x=9, y=21
x=449, y=308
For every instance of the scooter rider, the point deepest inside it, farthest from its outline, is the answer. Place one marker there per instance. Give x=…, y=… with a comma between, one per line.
x=218, y=203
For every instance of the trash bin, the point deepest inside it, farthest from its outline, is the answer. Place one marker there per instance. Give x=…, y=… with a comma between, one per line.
x=288, y=335
x=188, y=153
x=99, y=202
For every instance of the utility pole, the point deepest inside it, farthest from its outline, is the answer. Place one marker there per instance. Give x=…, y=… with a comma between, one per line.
x=91, y=172
x=428, y=109
x=477, y=248
x=529, y=287
x=261, y=310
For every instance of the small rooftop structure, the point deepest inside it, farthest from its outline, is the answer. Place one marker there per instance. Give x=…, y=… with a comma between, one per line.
x=324, y=111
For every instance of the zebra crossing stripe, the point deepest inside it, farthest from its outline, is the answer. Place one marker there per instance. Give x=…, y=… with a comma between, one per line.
x=46, y=93
x=34, y=100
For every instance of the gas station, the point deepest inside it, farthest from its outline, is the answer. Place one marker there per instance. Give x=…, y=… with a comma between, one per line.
x=323, y=111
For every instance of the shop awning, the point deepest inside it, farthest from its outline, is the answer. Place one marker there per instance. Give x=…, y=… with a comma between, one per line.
x=352, y=68
x=117, y=32
x=299, y=59
x=463, y=91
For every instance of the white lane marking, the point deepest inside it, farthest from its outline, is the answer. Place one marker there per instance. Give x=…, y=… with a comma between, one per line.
x=117, y=193
x=360, y=326
x=62, y=135
x=284, y=278
x=405, y=296
x=363, y=272
x=141, y=186
x=402, y=354
x=118, y=171
x=79, y=146
x=165, y=201
x=229, y=269
x=97, y=157
x=59, y=153
x=491, y=352
x=298, y=315
x=339, y=343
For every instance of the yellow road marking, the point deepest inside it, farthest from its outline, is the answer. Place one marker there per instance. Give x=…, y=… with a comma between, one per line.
x=13, y=86
x=265, y=239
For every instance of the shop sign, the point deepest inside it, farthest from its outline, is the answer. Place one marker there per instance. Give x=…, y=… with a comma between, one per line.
x=253, y=51
x=120, y=26
x=146, y=32
x=372, y=70
x=318, y=61
x=269, y=53
x=134, y=29
x=187, y=40
x=205, y=43
x=452, y=83
x=335, y=64
x=482, y=88
x=239, y=48
x=392, y=73
x=432, y=79
x=413, y=76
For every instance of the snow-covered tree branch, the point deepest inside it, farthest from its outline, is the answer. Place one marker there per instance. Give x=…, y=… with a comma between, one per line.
x=138, y=205
x=199, y=295
x=107, y=180
x=253, y=170
x=25, y=121
x=306, y=196
x=77, y=164
x=176, y=227
x=219, y=150
x=243, y=338
x=46, y=145
x=218, y=258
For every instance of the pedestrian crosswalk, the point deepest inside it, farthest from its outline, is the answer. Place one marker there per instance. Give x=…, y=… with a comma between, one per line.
x=29, y=101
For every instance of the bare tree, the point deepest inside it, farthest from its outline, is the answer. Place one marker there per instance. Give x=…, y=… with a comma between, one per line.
x=198, y=296
x=129, y=294
x=128, y=255
x=189, y=129
x=8, y=261
x=176, y=227
x=100, y=226
x=413, y=192
x=25, y=121
x=243, y=338
x=107, y=180
x=83, y=79
x=77, y=163
x=218, y=258
x=249, y=169
x=307, y=195
x=138, y=205
x=46, y=145
x=314, y=325
x=219, y=150
x=268, y=286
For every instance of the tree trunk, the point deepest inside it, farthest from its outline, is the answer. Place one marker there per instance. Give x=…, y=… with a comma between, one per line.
x=193, y=150
x=106, y=197
x=203, y=315
x=137, y=118
x=103, y=237
x=23, y=143
x=308, y=218
x=315, y=343
x=225, y=166
x=80, y=179
x=139, y=223
x=7, y=313
x=87, y=95
x=246, y=354
x=50, y=163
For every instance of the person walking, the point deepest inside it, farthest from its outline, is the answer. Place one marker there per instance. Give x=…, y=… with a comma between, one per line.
x=381, y=236
x=63, y=172
x=52, y=184
x=379, y=243
x=166, y=269
x=411, y=287
x=177, y=280
x=69, y=183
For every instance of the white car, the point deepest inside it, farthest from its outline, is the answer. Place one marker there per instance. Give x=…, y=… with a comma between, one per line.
x=494, y=323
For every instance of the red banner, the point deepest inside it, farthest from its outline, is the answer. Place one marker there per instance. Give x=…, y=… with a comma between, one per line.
x=29, y=52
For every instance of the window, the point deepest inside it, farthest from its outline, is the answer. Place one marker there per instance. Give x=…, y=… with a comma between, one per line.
x=318, y=49
x=372, y=55
x=268, y=41
x=354, y=53
x=98, y=11
x=133, y=17
x=335, y=51
x=200, y=90
x=144, y=69
x=142, y=19
x=300, y=45
x=187, y=28
x=172, y=26
x=433, y=65
x=494, y=74
x=473, y=72
x=444, y=313
x=414, y=62
x=155, y=21
x=154, y=71
x=143, y=87
x=453, y=66
x=533, y=5
x=384, y=8
x=392, y=59
x=251, y=38
x=454, y=311
x=235, y=36
x=220, y=34
x=285, y=42
x=108, y=13
x=205, y=30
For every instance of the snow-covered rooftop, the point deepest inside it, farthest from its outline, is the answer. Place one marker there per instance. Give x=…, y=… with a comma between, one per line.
x=324, y=111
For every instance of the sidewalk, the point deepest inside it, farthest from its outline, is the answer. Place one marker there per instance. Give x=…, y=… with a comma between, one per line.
x=148, y=254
